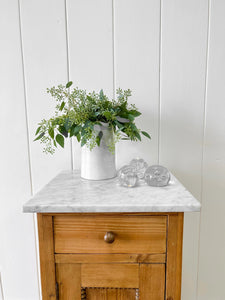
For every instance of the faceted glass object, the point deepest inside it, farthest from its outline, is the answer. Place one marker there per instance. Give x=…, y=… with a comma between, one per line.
x=139, y=166
x=157, y=176
x=127, y=176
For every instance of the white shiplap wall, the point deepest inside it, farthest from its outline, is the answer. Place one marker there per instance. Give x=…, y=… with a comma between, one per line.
x=183, y=67
x=17, y=241
x=171, y=54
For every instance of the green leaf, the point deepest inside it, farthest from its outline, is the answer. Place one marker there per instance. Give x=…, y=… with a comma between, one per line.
x=78, y=137
x=83, y=141
x=130, y=117
x=101, y=95
x=51, y=132
x=63, y=131
x=99, y=137
x=86, y=125
x=123, y=115
x=72, y=129
x=108, y=115
x=54, y=142
x=69, y=84
x=40, y=136
x=146, y=134
x=133, y=127
x=62, y=106
x=38, y=129
x=60, y=140
x=119, y=125
x=137, y=135
x=77, y=129
x=135, y=113
x=97, y=113
x=89, y=98
x=67, y=124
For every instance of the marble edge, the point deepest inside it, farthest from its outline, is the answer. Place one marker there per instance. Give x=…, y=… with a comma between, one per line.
x=105, y=209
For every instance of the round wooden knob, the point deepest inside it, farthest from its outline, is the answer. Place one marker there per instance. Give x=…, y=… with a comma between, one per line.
x=109, y=237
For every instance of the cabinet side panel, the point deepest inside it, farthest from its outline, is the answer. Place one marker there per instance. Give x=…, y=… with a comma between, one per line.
x=174, y=257
x=47, y=262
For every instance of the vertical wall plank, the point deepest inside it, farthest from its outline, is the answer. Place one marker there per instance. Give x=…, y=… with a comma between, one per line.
x=17, y=245
x=137, y=41
x=45, y=59
x=183, y=66
x=212, y=241
x=90, y=48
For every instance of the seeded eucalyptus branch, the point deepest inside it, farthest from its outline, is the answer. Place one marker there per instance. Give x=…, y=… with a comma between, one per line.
x=77, y=112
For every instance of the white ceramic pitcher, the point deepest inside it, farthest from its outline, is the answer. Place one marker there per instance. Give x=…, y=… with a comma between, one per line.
x=99, y=163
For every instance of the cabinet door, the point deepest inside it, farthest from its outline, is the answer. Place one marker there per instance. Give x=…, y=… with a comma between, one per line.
x=111, y=281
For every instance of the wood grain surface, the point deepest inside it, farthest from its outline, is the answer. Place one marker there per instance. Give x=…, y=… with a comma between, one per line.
x=47, y=260
x=110, y=275
x=85, y=234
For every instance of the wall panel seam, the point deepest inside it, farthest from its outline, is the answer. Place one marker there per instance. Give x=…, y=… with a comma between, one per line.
x=68, y=73
x=25, y=100
x=160, y=67
x=113, y=49
x=28, y=140
x=203, y=133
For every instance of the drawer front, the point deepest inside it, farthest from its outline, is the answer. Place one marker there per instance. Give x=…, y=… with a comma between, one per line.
x=132, y=234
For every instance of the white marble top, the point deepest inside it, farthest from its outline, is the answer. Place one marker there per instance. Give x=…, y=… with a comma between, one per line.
x=67, y=192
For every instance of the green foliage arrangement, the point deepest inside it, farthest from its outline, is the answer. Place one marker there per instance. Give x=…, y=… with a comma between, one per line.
x=77, y=112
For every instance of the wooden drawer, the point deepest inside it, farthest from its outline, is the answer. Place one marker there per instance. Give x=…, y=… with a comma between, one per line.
x=133, y=234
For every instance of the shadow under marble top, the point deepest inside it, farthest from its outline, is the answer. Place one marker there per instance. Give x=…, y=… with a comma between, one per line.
x=68, y=192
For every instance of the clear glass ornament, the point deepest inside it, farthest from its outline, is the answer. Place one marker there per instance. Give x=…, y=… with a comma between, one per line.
x=127, y=176
x=157, y=176
x=139, y=166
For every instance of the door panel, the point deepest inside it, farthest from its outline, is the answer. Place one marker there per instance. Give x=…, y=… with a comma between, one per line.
x=110, y=281
x=110, y=275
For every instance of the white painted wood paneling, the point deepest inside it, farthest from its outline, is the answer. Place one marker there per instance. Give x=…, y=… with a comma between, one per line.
x=212, y=240
x=158, y=49
x=17, y=244
x=45, y=61
x=90, y=48
x=183, y=66
x=137, y=43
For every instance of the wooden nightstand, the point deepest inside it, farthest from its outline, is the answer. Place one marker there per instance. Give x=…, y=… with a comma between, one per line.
x=111, y=256
x=100, y=241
